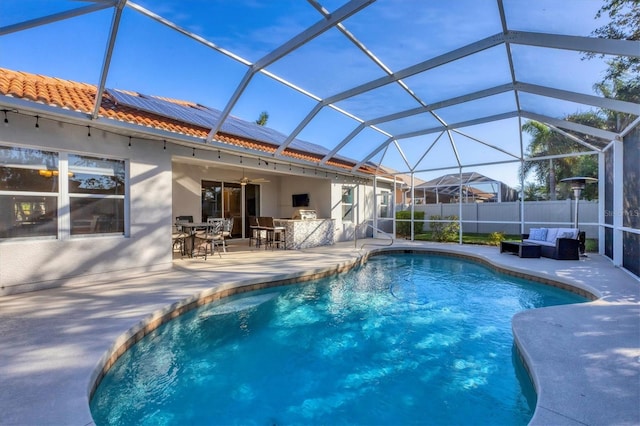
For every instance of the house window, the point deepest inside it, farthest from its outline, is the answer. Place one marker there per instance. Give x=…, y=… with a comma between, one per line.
x=33, y=201
x=96, y=195
x=29, y=186
x=347, y=203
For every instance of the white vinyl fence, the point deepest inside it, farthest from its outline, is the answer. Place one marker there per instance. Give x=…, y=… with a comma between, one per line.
x=505, y=217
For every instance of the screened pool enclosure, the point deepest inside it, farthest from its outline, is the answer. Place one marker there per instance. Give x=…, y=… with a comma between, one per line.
x=397, y=91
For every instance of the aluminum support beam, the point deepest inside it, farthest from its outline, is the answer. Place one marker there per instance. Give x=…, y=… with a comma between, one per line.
x=486, y=144
x=401, y=152
x=553, y=157
x=372, y=154
x=574, y=138
x=443, y=104
x=481, y=120
x=345, y=141
x=630, y=127
x=414, y=111
x=453, y=166
x=455, y=149
x=8, y=29
x=186, y=33
x=307, y=35
x=344, y=12
x=507, y=46
x=601, y=204
x=316, y=109
x=106, y=62
x=581, y=44
x=427, y=151
x=576, y=127
x=600, y=102
x=231, y=103
x=618, y=202
x=456, y=54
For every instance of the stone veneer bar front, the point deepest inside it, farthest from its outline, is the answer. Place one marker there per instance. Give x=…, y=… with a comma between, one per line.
x=307, y=233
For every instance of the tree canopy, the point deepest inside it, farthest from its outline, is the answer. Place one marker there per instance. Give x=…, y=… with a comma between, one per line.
x=621, y=81
x=624, y=24
x=263, y=118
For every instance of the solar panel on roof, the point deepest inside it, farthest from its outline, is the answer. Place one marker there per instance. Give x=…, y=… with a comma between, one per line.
x=254, y=131
x=308, y=147
x=207, y=117
x=165, y=108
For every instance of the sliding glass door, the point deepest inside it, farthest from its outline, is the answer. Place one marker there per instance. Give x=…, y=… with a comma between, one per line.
x=230, y=200
x=211, y=199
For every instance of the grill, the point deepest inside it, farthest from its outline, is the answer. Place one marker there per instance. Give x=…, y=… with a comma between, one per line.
x=305, y=214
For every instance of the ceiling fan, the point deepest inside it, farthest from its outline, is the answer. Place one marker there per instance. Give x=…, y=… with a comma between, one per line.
x=245, y=180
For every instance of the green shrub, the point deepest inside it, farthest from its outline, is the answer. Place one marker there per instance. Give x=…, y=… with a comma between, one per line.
x=404, y=228
x=445, y=231
x=495, y=238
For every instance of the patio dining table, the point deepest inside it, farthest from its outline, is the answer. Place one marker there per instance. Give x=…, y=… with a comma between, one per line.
x=190, y=228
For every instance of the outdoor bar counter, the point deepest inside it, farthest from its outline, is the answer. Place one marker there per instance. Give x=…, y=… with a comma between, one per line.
x=306, y=233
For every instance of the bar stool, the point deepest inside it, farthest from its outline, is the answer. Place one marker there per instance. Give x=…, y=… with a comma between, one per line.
x=255, y=232
x=274, y=234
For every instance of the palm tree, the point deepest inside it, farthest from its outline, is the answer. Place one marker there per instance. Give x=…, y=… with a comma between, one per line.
x=548, y=142
x=533, y=192
x=262, y=120
x=624, y=90
x=544, y=142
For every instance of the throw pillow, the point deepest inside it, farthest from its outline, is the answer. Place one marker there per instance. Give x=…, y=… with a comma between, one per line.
x=569, y=233
x=538, y=234
x=552, y=234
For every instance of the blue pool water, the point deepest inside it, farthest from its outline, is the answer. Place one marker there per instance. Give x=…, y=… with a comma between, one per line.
x=405, y=339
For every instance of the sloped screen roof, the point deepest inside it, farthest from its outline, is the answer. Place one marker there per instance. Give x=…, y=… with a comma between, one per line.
x=415, y=86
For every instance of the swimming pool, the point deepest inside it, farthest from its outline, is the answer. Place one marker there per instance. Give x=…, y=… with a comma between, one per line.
x=404, y=339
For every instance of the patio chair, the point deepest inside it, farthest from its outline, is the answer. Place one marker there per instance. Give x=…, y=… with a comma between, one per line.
x=274, y=234
x=255, y=232
x=182, y=236
x=227, y=229
x=178, y=237
x=211, y=238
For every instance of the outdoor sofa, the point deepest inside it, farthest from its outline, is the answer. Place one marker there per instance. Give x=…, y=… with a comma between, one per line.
x=556, y=243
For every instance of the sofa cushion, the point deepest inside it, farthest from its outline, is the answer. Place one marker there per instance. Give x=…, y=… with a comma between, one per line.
x=552, y=234
x=539, y=242
x=567, y=233
x=538, y=234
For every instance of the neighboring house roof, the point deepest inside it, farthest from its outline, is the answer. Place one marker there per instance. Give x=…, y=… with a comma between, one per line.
x=143, y=110
x=450, y=184
x=404, y=178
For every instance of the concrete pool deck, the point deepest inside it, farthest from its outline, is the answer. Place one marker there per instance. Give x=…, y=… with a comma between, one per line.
x=584, y=359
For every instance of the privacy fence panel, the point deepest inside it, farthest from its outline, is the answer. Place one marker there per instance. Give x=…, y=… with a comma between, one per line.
x=505, y=217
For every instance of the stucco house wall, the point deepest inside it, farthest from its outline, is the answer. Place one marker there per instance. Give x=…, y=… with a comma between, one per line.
x=36, y=263
x=163, y=181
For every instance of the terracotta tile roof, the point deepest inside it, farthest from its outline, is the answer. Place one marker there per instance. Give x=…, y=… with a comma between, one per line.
x=80, y=97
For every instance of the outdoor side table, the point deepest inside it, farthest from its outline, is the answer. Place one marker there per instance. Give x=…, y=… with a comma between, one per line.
x=526, y=250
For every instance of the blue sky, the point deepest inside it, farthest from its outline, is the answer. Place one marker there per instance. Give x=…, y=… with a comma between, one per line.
x=151, y=59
